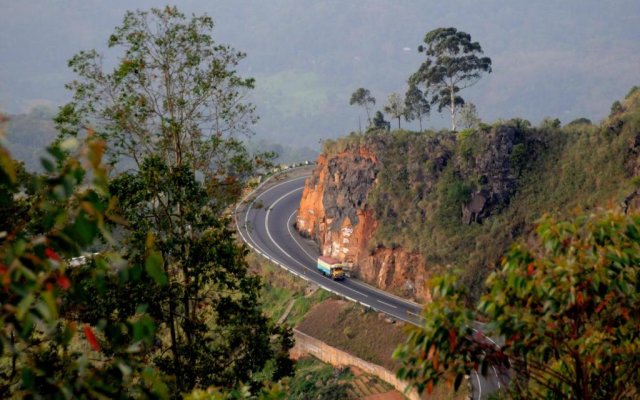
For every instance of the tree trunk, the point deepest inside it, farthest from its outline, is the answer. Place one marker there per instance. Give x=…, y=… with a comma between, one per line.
x=172, y=332
x=398, y=123
x=174, y=345
x=453, y=108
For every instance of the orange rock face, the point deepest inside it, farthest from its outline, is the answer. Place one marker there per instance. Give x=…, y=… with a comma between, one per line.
x=334, y=213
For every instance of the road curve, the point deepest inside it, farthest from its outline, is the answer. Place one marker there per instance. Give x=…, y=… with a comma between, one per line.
x=265, y=222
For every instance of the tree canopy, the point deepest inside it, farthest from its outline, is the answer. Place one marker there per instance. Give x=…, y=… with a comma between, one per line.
x=363, y=98
x=174, y=107
x=469, y=116
x=379, y=122
x=416, y=105
x=567, y=308
x=47, y=352
x=395, y=107
x=453, y=63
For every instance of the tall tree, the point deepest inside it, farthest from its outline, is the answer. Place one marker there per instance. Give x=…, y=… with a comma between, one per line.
x=363, y=98
x=174, y=106
x=567, y=307
x=395, y=107
x=469, y=116
x=379, y=122
x=453, y=63
x=416, y=105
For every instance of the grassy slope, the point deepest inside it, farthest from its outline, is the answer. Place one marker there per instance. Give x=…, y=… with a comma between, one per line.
x=560, y=170
x=352, y=328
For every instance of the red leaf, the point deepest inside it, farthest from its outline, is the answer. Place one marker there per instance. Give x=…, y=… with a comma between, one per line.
x=6, y=277
x=530, y=269
x=430, y=386
x=580, y=299
x=50, y=253
x=91, y=338
x=63, y=282
x=625, y=313
x=452, y=339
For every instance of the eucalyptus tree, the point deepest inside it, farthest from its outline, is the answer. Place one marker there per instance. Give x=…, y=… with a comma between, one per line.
x=363, y=98
x=469, y=116
x=416, y=105
x=175, y=107
x=379, y=122
x=453, y=63
x=395, y=107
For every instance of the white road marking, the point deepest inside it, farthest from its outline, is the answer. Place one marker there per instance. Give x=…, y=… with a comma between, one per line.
x=487, y=337
x=479, y=384
x=257, y=248
x=497, y=377
x=314, y=259
x=406, y=301
x=246, y=214
x=387, y=304
x=266, y=226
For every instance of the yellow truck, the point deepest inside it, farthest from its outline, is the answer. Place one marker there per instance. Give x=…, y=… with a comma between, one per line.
x=330, y=267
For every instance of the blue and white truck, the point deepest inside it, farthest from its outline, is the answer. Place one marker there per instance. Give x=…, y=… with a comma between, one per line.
x=330, y=267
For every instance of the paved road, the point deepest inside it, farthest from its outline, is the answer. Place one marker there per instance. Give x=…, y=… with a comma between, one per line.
x=265, y=223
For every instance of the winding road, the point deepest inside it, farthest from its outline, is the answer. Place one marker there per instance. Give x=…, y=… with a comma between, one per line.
x=265, y=222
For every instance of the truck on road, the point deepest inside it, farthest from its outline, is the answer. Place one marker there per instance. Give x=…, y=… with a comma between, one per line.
x=330, y=267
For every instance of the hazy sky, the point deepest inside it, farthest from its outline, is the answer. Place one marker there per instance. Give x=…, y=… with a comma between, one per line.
x=565, y=59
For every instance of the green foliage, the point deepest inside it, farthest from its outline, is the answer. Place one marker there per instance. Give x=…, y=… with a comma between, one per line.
x=567, y=308
x=469, y=116
x=616, y=108
x=444, y=346
x=314, y=380
x=580, y=121
x=379, y=122
x=174, y=106
x=44, y=355
x=453, y=63
x=550, y=123
x=416, y=105
x=519, y=157
x=452, y=192
x=363, y=98
x=423, y=181
x=395, y=107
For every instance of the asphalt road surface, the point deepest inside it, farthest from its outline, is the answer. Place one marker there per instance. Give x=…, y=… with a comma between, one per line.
x=265, y=222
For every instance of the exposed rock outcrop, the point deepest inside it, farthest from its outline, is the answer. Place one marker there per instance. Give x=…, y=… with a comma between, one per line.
x=402, y=206
x=496, y=166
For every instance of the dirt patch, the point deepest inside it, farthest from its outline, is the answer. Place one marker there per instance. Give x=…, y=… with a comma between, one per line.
x=352, y=328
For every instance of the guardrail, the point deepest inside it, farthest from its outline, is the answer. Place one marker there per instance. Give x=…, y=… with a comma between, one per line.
x=283, y=266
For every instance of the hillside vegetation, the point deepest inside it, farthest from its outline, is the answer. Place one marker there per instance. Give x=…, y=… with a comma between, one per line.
x=462, y=198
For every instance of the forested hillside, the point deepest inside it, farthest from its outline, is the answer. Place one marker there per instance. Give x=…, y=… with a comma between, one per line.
x=432, y=199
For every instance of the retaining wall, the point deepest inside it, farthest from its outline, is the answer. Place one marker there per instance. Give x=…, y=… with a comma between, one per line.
x=307, y=345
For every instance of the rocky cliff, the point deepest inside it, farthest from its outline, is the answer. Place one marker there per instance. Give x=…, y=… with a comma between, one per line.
x=400, y=207
x=339, y=210
x=333, y=211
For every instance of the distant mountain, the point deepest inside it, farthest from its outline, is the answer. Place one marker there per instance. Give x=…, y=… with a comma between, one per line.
x=28, y=135
x=565, y=59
